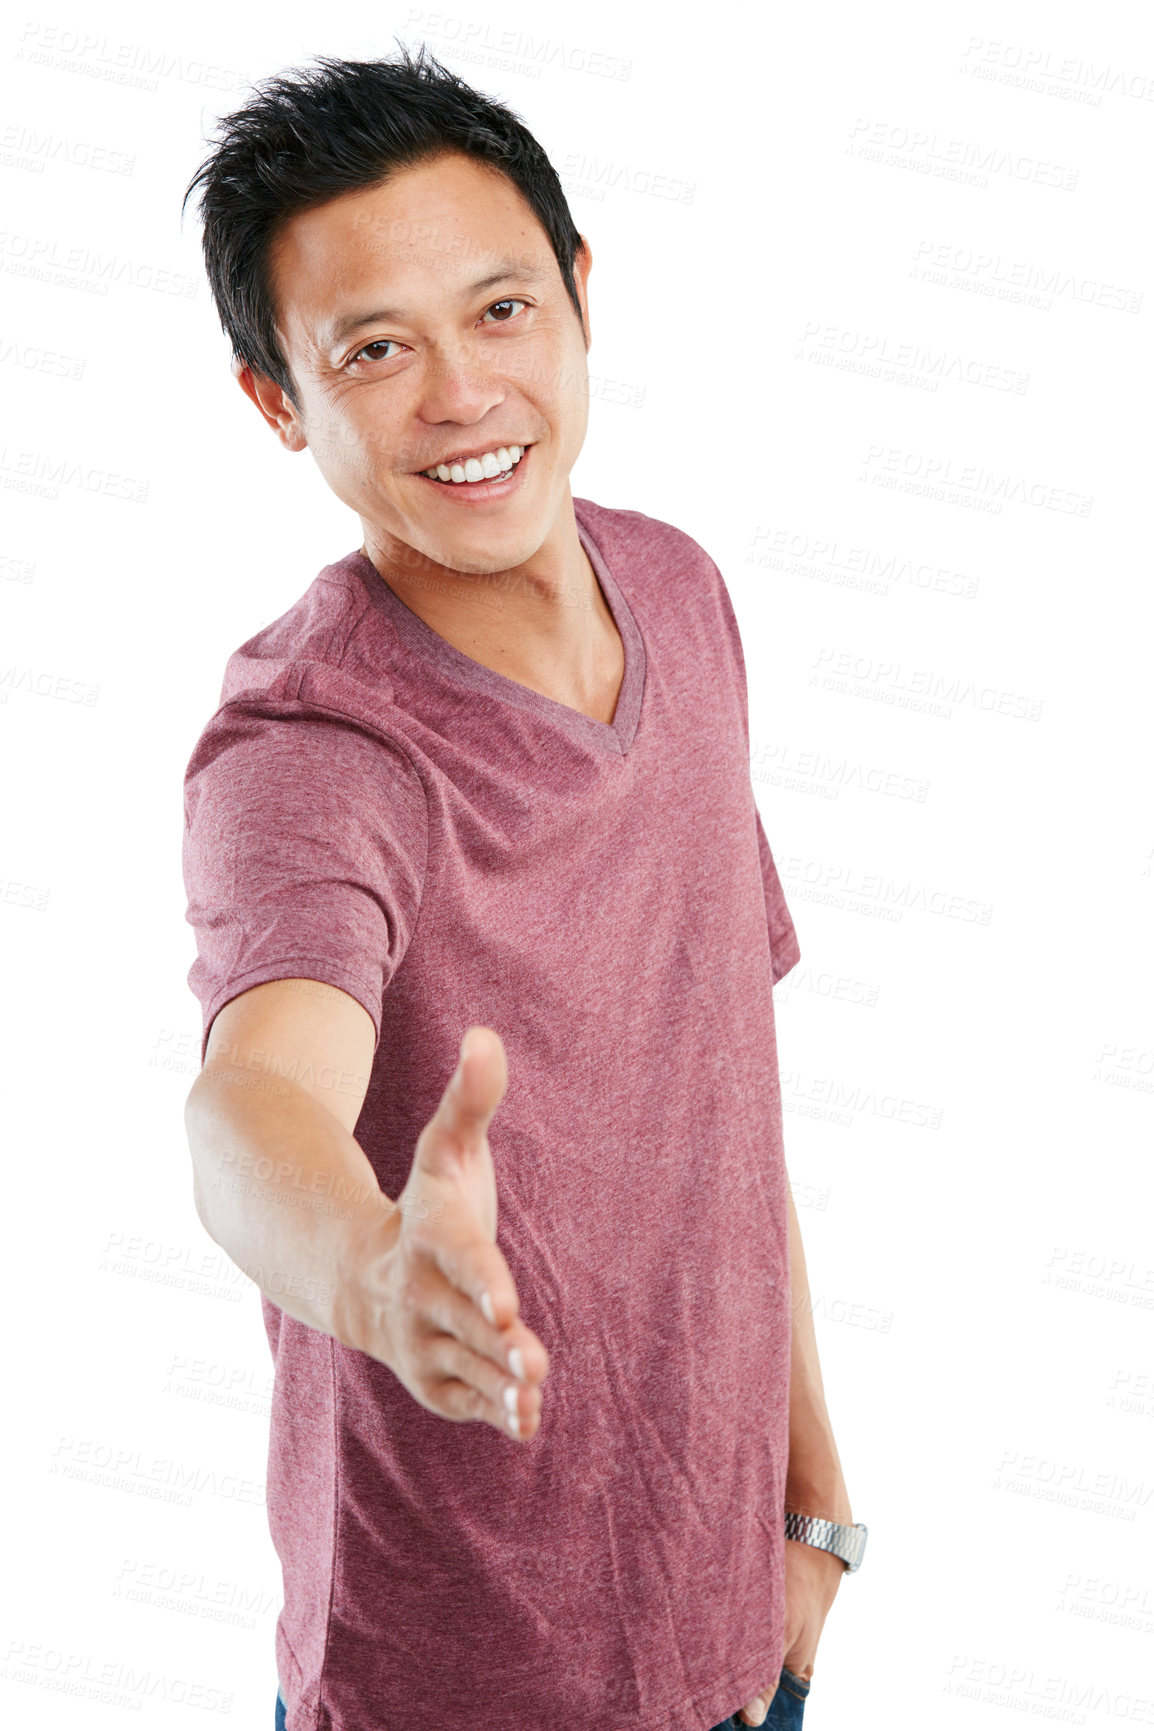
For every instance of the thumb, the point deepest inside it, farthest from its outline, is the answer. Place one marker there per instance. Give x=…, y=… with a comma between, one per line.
x=757, y=1709
x=466, y=1108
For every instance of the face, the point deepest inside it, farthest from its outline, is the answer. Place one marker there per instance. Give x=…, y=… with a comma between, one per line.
x=425, y=321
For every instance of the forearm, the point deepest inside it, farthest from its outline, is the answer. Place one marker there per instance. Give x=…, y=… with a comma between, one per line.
x=284, y=1189
x=814, y=1481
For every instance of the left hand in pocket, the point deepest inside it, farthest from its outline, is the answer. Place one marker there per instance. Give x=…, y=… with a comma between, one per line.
x=812, y=1578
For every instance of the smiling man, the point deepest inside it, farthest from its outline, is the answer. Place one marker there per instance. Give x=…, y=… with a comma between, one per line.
x=487, y=929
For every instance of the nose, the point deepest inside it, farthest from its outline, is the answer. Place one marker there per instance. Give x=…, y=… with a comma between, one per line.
x=459, y=387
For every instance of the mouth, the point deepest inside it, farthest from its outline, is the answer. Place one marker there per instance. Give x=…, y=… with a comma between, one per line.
x=463, y=490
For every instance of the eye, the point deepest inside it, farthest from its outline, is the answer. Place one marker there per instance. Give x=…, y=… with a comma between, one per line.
x=389, y=342
x=380, y=343
x=510, y=303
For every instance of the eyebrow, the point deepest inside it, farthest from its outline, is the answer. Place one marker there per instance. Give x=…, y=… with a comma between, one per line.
x=508, y=271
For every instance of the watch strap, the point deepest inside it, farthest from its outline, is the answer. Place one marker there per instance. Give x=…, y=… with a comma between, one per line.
x=843, y=1541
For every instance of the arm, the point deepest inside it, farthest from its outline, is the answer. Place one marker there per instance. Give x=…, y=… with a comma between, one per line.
x=813, y=1486
x=279, y=1182
x=283, y=1187
x=814, y=1482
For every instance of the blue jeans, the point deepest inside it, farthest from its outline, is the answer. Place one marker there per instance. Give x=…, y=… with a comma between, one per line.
x=785, y=1710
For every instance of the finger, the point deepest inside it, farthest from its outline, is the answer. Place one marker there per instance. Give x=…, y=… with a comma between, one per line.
x=456, y=1245
x=515, y=1349
x=512, y=1406
x=461, y=1401
x=465, y=1110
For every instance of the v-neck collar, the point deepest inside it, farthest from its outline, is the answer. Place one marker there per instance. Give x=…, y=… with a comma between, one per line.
x=613, y=736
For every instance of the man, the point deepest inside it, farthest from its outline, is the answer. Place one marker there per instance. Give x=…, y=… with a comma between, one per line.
x=476, y=874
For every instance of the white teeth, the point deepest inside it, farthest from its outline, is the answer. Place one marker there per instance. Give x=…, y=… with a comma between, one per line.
x=484, y=468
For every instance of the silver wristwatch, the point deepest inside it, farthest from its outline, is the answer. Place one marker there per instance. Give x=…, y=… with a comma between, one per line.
x=848, y=1543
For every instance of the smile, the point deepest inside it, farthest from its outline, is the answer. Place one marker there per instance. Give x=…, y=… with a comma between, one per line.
x=495, y=475
x=470, y=470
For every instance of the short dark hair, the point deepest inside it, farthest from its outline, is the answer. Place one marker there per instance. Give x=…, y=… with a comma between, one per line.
x=339, y=126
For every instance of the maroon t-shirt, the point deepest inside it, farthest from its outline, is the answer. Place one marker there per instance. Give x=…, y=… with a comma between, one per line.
x=372, y=808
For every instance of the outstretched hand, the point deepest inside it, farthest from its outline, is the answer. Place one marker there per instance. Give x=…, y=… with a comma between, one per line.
x=434, y=1296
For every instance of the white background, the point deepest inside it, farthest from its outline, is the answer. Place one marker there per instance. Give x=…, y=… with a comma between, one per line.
x=826, y=245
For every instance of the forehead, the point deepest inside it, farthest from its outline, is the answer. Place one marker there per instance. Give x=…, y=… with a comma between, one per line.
x=423, y=234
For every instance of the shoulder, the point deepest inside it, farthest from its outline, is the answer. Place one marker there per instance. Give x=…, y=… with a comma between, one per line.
x=314, y=683
x=314, y=650
x=307, y=720
x=665, y=568
x=646, y=543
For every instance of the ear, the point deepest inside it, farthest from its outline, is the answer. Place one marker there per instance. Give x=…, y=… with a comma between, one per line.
x=273, y=404
x=582, y=265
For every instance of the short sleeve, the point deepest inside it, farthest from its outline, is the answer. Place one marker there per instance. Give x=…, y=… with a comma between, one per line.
x=784, y=948
x=305, y=839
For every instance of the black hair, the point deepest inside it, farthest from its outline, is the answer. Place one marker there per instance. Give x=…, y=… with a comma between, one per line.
x=342, y=125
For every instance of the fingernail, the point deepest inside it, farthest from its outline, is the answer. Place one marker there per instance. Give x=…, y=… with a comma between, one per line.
x=487, y=1310
x=514, y=1424
x=511, y=1397
x=517, y=1363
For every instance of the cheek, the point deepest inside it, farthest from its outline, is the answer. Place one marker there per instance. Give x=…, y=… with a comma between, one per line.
x=347, y=440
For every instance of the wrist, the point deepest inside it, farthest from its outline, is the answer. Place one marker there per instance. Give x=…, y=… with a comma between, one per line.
x=823, y=1495
x=362, y=1281
x=844, y=1540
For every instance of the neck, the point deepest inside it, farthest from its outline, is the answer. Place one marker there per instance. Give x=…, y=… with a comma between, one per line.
x=544, y=623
